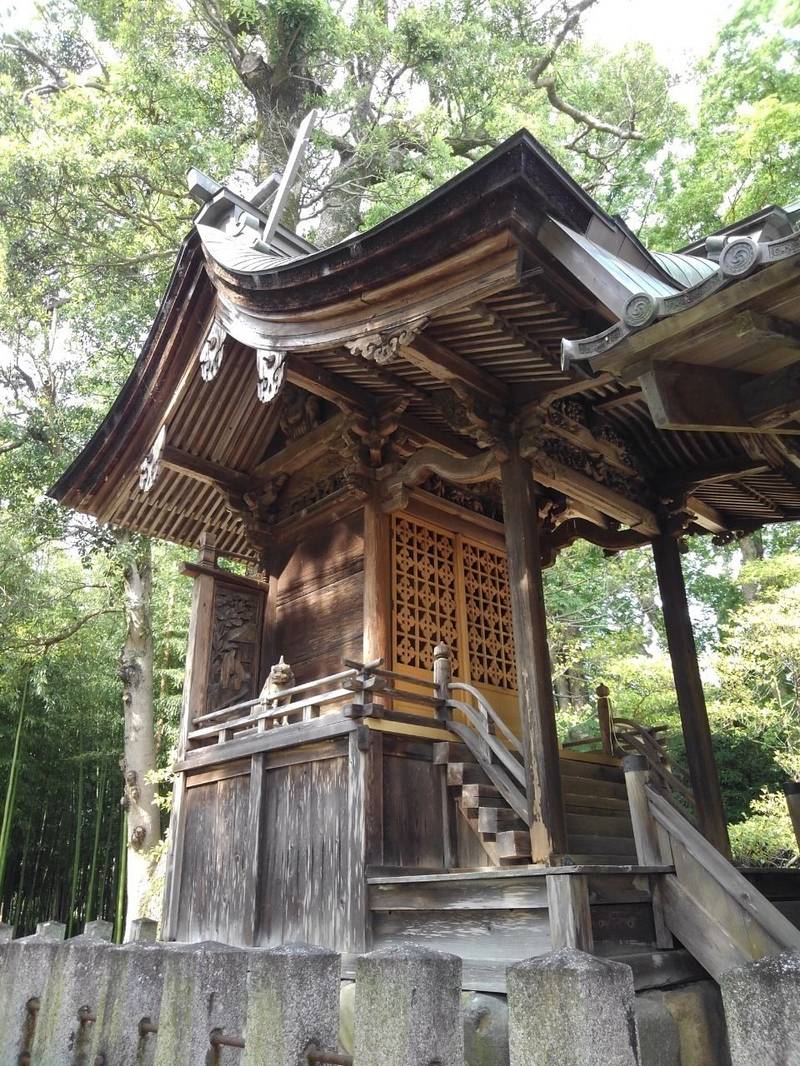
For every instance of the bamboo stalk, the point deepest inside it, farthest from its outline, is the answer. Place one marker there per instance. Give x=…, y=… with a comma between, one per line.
x=76, y=854
x=11, y=788
x=98, y=822
x=119, y=916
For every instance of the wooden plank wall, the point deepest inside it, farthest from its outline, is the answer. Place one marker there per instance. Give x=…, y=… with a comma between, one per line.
x=303, y=892
x=413, y=817
x=214, y=858
x=319, y=618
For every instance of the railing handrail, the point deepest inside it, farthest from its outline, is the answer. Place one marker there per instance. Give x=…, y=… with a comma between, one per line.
x=272, y=712
x=486, y=707
x=293, y=690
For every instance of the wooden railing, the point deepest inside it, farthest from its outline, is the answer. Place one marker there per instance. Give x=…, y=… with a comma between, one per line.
x=297, y=703
x=709, y=906
x=620, y=736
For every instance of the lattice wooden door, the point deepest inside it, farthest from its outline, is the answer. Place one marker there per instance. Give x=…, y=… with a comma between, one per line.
x=447, y=586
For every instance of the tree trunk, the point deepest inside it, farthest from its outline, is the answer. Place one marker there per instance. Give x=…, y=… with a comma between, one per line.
x=136, y=672
x=752, y=549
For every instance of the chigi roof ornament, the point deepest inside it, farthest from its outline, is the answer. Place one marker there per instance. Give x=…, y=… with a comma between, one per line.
x=240, y=238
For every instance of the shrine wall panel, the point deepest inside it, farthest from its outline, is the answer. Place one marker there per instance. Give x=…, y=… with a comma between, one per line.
x=413, y=825
x=303, y=892
x=215, y=849
x=234, y=671
x=320, y=601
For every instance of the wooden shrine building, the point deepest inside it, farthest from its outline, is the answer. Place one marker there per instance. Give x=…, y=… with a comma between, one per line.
x=395, y=436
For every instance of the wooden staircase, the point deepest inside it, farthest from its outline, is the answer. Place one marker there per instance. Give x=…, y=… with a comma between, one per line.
x=598, y=820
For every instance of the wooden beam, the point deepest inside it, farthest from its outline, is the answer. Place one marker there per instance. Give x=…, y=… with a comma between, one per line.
x=533, y=398
x=205, y=470
x=689, y=689
x=767, y=330
x=772, y=399
x=711, y=473
x=706, y=516
x=445, y=365
x=536, y=704
x=687, y=396
x=423, y=432
x=627, y=396
x=301, y=452
x=564, y=479
x=323, y=382
x=693, y=397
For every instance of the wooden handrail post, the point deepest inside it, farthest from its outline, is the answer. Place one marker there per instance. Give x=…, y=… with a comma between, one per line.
x=645, y=830
x=791, y=790
x=442, y=673
x=604, y=718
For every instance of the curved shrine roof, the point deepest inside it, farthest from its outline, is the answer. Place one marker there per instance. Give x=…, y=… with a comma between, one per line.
x=647, y=379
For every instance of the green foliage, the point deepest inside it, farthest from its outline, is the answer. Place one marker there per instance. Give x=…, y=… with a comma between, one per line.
x=743, y=151
x=765, y=837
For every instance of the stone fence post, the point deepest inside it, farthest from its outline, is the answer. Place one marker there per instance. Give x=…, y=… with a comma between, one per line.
x=24, y=971
x=571, y=1009
x=292, y=1004
x=408, y=1009
x=762, y=1009
x=205, y=989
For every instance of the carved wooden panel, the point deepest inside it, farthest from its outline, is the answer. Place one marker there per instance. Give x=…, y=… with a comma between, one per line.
x=424, y=592
x=449, y=587
x=233, y=673
x=490, y=635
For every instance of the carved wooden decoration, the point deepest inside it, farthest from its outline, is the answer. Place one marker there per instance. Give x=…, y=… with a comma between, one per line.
x=212, y=350
x=449, y=587
x=425, y=596
x=299, y=413
x=381, y=348
x=490, y=633
x=235, y=645
x=431, y=460
x=151, y=464
x=271, y=370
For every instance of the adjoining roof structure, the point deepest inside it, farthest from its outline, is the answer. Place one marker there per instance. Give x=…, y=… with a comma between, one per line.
x=651, y=388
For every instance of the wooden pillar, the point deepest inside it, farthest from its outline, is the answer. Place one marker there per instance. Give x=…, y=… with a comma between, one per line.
x=689, y=689
x=364, y=830
x=377, y=583
x=791, y=790
x=536, y=704
x=198, y=655
x=569, y=913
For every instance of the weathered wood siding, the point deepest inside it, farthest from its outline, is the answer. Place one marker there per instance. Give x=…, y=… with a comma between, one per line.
x=216, y=846
x=413, y=821
x=320, y=601
x=303, y=893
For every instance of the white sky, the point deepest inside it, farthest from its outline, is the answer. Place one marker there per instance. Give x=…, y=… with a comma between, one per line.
x=680, y=31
